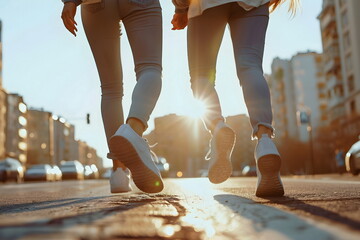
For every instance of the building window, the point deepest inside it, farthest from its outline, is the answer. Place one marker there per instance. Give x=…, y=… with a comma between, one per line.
x=352, y=107
x=351, y=83
x=344, y=19
x=347, y=42
x=348, y=62
x=339, y=90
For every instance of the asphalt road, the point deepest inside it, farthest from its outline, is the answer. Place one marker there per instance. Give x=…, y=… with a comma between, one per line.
x=321, y=207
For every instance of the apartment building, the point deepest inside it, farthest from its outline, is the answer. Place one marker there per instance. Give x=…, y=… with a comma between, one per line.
x=298, y=87
x=16, y=128
x=339, y=21
x=40, y=137
x=3, y=95
x=183, y=141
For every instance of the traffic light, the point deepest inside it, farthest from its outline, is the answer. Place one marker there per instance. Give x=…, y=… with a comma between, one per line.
x=88, y=118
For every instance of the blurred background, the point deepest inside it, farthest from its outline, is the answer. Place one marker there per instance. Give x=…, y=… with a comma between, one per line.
x=50, y=117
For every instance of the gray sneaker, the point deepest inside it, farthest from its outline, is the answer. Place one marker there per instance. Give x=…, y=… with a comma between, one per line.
x=268, y=164
x=222, y=145
x=134, y=152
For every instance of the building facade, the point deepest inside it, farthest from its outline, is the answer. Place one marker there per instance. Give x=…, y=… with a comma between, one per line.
x=298, y=86
x=40, y=137
x=3, y=95
x=16, y=128
x=184, y=143
x=64, y=140
x=341, y=45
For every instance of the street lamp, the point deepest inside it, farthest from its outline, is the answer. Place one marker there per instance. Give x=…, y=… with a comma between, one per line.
x=304, y=117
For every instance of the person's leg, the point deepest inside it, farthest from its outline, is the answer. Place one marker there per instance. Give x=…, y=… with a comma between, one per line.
x=101, y=25
x=143, y=23
x=205, y=34
x=144, y=30
x=248, y=31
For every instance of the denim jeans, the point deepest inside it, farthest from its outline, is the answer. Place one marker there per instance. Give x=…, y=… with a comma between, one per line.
x=247, y=29
x=142, y=20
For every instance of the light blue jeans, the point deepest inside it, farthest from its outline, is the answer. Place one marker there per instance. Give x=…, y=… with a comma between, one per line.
x=142, y=20
x=248, y=29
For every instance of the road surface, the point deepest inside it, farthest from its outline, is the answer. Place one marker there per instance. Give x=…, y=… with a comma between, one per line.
x=312, y=208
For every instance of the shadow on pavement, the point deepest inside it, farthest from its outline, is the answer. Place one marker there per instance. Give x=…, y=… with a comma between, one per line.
x=297, y=204
x=35, y=206
x=56, y=225
x=264, y=218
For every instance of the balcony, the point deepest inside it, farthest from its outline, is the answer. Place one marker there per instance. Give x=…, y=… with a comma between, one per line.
x=336, y=100
x=333, y=82
x=331, y=64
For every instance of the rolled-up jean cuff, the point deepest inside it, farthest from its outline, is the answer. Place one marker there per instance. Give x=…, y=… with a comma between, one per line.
x=142, y=120
x=256, y=129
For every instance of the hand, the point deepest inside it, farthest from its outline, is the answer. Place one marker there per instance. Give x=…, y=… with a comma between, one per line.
x=179, y=21
x=68, y=15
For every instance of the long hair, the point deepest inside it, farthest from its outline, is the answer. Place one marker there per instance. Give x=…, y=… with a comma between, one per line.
x=294, y=4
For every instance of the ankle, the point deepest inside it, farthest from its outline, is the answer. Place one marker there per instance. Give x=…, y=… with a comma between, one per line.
x=136, y=125
x=117, y=164
x=263, y=131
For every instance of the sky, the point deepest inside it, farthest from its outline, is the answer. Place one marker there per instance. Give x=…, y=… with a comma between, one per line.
x=55, y=71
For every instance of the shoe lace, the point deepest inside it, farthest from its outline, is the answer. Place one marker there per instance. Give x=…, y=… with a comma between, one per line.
x=152, y=153
x=208, y=154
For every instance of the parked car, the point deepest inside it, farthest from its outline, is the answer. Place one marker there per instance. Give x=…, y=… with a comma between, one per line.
x=41, y=172
x=91, y=172
x=11, y=169
x=57, y=173
x=352, y=159
x=161, y=164
x=107, y=173
x=249, y=171
x=72, y=170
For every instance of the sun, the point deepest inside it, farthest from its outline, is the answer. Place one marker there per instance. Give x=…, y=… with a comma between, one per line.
x=197, y=109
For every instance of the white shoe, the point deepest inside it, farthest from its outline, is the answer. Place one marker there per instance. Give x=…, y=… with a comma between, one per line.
x=134, y=152
x=268, y=164
x=120, y=181
x=222, y=145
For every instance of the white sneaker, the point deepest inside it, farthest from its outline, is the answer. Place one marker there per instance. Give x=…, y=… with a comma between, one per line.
x=222, y=145
x=134, y=152
x=120, y=181
x=268, y=164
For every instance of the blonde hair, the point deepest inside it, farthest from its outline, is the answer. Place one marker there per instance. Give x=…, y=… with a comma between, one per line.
x=294, y=4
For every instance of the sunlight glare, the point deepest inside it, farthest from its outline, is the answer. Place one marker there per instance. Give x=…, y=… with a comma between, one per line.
x=197, y=109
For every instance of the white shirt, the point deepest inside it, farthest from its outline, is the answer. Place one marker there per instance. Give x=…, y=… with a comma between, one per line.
x=197, y=7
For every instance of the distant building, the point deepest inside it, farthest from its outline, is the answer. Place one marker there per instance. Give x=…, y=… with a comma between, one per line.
x=40, y=137
x=88, y=155
x=64, y=139
x=243, y=153
x=3, y=96
x=183, y=141
x=2, y=107
x=297, y=86
x=16, y=128
x=339, y=22
x=1, y=64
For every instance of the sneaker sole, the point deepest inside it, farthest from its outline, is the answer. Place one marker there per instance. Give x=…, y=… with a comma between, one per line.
x=119, y=190
x=144, y=178
x=221, y=170
x=270, y=184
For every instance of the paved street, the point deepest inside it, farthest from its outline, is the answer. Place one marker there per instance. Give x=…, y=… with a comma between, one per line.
x=322, y=207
